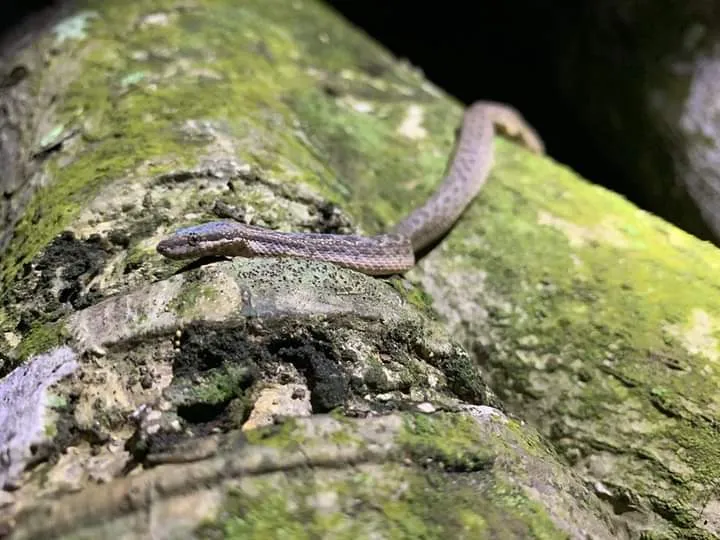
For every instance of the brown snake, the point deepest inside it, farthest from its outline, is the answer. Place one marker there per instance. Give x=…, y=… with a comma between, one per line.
x=383, y=254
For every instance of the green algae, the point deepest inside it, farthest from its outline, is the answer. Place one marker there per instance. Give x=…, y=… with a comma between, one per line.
x=451, y=440
x=402, y=504
x=40, y=338
x=415, y=295
x=286, y=435
x=184, y=304
x=221, y=385
x=604, y=305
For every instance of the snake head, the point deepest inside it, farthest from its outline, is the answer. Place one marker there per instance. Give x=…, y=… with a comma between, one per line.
x=214, y=238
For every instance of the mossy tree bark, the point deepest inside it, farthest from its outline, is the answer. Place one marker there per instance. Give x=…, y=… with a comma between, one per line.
x=592, y=321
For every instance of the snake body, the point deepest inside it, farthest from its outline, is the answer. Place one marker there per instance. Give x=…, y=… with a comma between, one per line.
x=382, y=254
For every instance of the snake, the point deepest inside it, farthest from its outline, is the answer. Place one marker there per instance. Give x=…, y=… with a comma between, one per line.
x=388, y=253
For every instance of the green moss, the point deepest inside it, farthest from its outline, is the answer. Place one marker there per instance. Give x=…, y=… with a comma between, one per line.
x=532, y=443
x=347, y=137
x=284, y=435
x=590, y=291
x=185, y=302
x=338, y=415
x=345, y=438
x=393, y=502
x=41, y=338
x=451, y=440
x=520, y=509
x=623, y=284
x=136, y=256
x=221, y=385
x=245, y=518
x=415, y=296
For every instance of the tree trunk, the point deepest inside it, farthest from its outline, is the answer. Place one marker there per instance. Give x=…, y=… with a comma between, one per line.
x=286, y=398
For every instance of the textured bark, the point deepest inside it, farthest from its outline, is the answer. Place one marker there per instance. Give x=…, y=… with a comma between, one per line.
x=551, y=300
